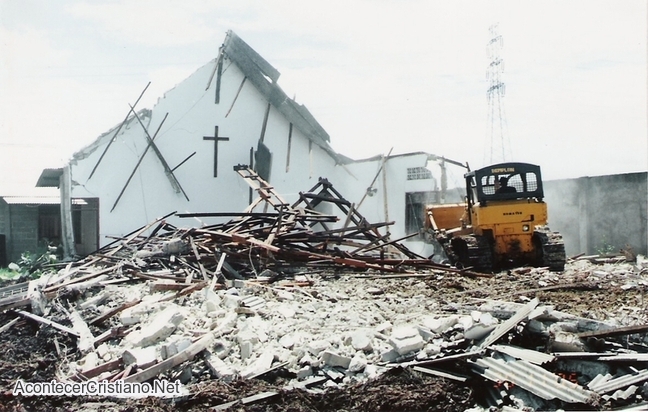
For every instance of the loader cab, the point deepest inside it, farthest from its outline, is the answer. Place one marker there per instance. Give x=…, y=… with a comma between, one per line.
x=502, y=182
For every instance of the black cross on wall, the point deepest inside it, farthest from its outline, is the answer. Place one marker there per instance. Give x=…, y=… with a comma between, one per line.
x=216, y=139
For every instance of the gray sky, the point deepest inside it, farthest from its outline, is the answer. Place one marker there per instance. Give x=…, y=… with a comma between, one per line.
x=377, y=74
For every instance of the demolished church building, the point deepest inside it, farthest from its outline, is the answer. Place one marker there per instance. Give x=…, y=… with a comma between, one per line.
x=180, y=157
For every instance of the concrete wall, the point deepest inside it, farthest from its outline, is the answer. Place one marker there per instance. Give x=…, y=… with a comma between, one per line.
x=601, y=213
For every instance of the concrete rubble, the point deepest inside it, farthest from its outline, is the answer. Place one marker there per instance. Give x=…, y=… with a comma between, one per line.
x=173, y=313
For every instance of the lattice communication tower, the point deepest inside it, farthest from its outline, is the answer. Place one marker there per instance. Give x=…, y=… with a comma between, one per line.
x=499, y=145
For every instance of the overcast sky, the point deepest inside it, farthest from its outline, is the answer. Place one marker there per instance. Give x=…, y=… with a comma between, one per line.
x=376, y=74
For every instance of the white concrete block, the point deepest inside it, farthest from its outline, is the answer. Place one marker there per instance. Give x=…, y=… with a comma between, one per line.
x=360, y=340
x=439, y=325
x=403, y=346
x=389, y=355
x=432, y=349
x=262, y=364
x=371, y=371
x=142, y=357
x=318, y=346
x=247, y=335
x=90, y=361
x=404, y=332
x=246, y=348
x=333, y=359
x=102, y=350
x=478, y=331
x=465, y=322
x=286, y=311
x=304, y=372
x=231, y=301
x=357, y=364
x=218, y=368
x=287, y=341
x=426, y=333
x=384, y=327
x=183, y=344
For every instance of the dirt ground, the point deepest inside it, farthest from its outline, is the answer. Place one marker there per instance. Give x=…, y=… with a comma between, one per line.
x=28, y=350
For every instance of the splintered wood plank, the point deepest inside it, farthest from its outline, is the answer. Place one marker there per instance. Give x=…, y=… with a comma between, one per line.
x=48, y=322
x=197, y=255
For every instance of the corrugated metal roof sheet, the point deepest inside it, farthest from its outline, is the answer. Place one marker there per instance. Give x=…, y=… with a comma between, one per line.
x=632, y=357
x=32, y=200
x=608, y=385
x=528, y=355
x=533, y=379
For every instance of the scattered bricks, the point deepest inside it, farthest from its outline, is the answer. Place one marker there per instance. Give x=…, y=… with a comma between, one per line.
x=218, y=368
x=173, y=348
x=141, y=357
x=432, y=349
x=160, y=328
x=333, y=359
x=404, y=332
x=374, y=291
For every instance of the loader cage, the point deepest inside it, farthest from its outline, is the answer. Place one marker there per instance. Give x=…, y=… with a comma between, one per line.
x=482, y=185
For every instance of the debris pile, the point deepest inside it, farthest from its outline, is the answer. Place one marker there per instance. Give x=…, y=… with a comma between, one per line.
x=266, y=295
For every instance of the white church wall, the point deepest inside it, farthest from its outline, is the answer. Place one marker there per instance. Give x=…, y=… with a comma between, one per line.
x=192, y=114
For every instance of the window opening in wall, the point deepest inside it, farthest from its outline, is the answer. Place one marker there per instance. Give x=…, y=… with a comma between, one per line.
x=418, y=173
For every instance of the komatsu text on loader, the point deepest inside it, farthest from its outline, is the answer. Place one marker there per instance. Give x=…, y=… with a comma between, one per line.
x=502, y=224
